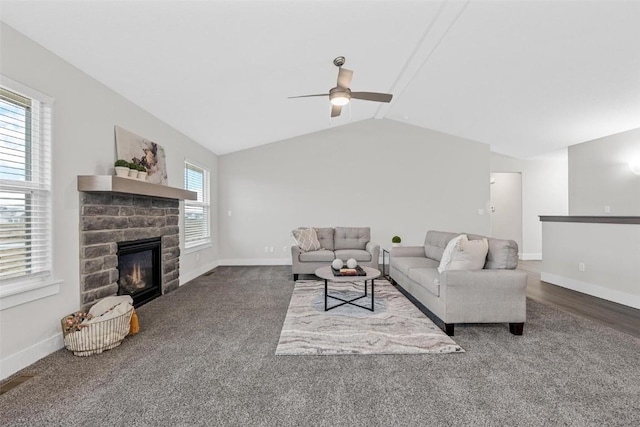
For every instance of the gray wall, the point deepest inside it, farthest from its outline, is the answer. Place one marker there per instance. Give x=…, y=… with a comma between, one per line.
x=544, y=192
x=599, y=176
x=395, y=178
x=608, y=252
x=506, y=206
x=84, y=115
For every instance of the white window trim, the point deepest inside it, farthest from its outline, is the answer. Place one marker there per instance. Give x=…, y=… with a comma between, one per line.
x=197, y=248
x=31, y=288
x=198, y=245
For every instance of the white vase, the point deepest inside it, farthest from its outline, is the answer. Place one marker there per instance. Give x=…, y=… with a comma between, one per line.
x=395, y=245
x=122, y=171
x=142, y=176
x=133, y=173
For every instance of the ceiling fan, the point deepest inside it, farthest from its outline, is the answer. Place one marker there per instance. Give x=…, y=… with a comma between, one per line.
x=341, y=94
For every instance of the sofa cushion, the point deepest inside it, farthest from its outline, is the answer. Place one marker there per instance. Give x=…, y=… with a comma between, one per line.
x=351, y=237
x=436, y=242
x=405, y=264
x=321, y=255
x=502, y=254
x=428, y=278
x=469, y=255
x=306, y=238
x=325, y=237
x=357, y=254
x=447, y=254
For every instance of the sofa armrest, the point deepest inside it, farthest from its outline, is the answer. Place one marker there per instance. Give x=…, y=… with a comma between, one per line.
x=295, y=255
x=483, y=296
x=374, y=250
x=411, y=251
x=371, y=247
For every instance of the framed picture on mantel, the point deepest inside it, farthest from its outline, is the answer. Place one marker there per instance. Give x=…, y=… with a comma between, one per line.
x=141, y=151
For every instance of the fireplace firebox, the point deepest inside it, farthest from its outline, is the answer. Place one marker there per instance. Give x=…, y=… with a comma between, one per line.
x=139, y=270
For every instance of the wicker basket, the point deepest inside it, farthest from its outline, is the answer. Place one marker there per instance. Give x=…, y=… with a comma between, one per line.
x=98, y=336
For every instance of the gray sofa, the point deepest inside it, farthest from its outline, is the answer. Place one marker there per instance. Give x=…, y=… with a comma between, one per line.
x=495, y=294
x=338, y=242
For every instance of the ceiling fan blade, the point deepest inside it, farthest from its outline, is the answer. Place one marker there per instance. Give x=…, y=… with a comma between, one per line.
x=372, y=96
x=307, y=96
x=336, y=110
x=344, y=77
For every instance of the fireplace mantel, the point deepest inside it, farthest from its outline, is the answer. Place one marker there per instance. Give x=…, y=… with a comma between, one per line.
x=116, y=184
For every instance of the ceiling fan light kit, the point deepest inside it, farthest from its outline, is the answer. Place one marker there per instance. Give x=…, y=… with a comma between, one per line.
x=341, y=95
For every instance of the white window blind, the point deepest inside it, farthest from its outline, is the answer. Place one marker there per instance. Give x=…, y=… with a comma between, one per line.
x=25, y=184
x=196, y=212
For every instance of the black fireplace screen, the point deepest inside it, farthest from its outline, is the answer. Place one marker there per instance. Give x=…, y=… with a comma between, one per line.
x=139, y=268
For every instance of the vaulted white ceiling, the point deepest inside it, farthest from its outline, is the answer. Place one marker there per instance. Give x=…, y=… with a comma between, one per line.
x=526, y=77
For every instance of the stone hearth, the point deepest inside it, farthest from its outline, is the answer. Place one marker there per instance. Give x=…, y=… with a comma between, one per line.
x=109, y=218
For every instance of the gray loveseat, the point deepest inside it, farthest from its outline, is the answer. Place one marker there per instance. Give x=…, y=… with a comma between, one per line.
x=338, y=242
x=495, y=294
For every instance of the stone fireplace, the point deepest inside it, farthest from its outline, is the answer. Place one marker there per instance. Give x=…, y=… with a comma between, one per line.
x=108, y=222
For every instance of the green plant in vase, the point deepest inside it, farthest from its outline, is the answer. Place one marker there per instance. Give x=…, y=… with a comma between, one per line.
x=133, y=170
x=121, y=167
x=396, y=240
x=142, y=172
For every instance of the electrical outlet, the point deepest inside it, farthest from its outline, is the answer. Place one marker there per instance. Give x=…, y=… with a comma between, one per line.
x=271, y=249
x=607, y=209
x=480, y=211
x=197, y=257
x=229, y=213
x=581, y=266
x=266, y=248
x=284, y=248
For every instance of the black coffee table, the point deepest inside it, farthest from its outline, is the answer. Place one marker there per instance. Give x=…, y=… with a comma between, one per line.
x=326, y=273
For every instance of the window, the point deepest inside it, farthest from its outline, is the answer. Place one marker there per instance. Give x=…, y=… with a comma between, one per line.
x=196, y=212
x=25, y=183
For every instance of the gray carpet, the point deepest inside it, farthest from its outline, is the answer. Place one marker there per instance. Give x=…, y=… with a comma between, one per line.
x=206, y=356
x=395, y=326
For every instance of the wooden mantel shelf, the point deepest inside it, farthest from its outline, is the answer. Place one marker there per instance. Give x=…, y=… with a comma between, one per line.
x=116, y=184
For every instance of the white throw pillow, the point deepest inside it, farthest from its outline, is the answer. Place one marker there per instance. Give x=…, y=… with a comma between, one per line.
x=470, y=255
x=307, y=239
x=448, y=251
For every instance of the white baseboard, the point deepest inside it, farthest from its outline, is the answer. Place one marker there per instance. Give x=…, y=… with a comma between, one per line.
x=255, y=261
x=531, y=256
x=20, y=360
x=603, y=292
x=186, y=277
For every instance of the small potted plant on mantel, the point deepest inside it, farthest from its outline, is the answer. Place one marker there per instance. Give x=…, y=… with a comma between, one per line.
x=395, y=240
x=133, y=170
x=142, y=173
x=122, y=168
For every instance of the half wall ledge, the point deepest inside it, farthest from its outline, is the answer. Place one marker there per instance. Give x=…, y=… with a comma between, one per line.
x=116, y=184
x=592, y=219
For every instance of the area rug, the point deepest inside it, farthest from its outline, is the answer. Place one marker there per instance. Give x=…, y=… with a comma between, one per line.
x=395, y=327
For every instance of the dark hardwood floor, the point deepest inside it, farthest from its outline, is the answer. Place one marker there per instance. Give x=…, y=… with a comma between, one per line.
x=616, y=316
